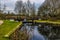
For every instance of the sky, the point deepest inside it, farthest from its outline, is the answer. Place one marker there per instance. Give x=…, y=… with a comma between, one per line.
x=10, y=4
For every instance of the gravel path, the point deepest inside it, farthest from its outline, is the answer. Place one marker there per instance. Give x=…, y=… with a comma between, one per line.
x=1, y=22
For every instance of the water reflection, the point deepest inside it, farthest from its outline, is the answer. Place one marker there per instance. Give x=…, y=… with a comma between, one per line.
x=37, y=35
x=33, y=32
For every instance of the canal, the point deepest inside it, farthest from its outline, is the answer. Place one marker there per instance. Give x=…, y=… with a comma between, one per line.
x=32, y=32
x=39, y=32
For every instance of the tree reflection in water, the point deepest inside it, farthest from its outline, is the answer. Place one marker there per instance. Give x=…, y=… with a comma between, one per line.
x=32, y=32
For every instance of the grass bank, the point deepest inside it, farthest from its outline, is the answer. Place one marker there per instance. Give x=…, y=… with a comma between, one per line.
x=6, y=27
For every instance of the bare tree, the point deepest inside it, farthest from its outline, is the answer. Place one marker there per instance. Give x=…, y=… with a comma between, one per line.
x=28, y=8
x=0, y=6
x=4, y=7
x=25, y=8
x=33, y=9
x=19, y=6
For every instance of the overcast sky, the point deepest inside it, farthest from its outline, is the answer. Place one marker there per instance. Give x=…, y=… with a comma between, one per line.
x=11, y=3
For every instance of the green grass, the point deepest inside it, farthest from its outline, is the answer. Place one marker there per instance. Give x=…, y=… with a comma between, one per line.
x=6, y=27
x=48, y=21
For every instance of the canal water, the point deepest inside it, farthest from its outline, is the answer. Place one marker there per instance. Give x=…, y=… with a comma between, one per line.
x=33, y=32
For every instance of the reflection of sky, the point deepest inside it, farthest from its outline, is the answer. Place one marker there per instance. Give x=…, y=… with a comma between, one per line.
x=11, y=3
x=34, y=33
